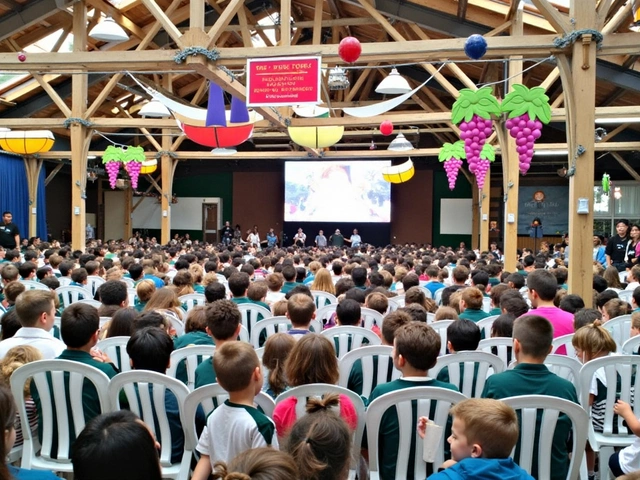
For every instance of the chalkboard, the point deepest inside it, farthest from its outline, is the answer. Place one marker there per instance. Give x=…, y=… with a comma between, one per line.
x=549, y=204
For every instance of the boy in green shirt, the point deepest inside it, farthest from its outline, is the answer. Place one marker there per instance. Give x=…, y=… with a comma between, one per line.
x=532, y=337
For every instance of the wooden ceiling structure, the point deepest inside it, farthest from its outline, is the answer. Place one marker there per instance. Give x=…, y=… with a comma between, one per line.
x=86, y=94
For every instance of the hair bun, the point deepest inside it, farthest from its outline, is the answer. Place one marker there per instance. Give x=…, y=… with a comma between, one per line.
x=315, y=404
x=597, y=323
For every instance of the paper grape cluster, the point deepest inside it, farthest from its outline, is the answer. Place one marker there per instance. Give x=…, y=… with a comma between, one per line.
x=526, y=132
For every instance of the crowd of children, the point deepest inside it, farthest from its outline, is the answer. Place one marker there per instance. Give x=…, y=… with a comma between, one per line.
x=238, y=440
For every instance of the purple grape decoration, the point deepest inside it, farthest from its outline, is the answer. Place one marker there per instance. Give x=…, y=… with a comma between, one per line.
x=452, y=155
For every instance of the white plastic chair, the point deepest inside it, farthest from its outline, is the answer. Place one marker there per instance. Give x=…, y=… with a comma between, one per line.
x=610, y=368
x=626, y=295
x=192, y=355
x=323, y=298
x=378, y=355
x=503, y=346
x=347, y=338
x=71, y=294
x=485, y=325
x=177, y=325
x=32, y=285
x=243, y=336
x=64, y=281
x=619, y=328
x=93, y=283
x=323, y=314
x=564, y=366
x=62, y=380
x=530, y=407
x=116, y=350
x=371, y=317
x=402, y=401
x=130, y=283
x=270, y=326
x=192, y=299
x=564, y=340
x=398, y=300
x=427, y=292
x=462, y=370
x=90, y=301
x=303, y=392
x=431, y=317
x=145, y=392
x=438, y=296
x=441, y=328
x=250, y=313
x=630, y=347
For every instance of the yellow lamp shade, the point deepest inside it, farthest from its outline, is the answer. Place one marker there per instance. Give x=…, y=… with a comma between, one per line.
x=399, y=173
x=26, y=142
x=149, y=166
x=316, y=137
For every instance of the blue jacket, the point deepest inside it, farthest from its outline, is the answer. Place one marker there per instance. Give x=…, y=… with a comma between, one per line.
x=483, y=469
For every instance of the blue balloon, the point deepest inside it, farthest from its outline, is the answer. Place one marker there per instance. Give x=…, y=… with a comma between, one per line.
x=475, y=47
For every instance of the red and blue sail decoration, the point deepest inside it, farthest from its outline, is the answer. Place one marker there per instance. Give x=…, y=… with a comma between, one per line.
x=214, y=126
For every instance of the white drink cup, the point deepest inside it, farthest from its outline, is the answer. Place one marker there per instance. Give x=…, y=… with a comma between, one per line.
x=432, y=441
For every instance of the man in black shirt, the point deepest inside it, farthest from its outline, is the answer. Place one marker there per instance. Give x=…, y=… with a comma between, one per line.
x=616, y=249
x=9, y=233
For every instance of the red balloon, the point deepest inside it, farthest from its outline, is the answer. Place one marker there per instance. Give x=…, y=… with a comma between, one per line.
x=349, y=49
x=386, y=128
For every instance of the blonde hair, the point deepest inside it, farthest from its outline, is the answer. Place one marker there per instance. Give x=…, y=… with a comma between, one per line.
x=16, y=358
x=594, y=339
x=454, y=300
x=635, y=320
x=279, y=308
x=209, y=278
x=197, y=272
x=257, y=464
x=446, y=313
x=490, y=423
x=323, y=282
x=315, y=266
x=276, y=350
x=145, y=289
x=234, y=364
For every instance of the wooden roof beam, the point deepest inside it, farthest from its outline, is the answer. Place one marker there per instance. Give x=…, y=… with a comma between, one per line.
x=223, y=20
x=553, y=16
x=164, y=20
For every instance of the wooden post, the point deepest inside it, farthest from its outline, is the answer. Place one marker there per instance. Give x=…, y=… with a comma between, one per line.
x=79, y=146
x=128, y=224
x=511, y=172
x=485, y=200
x=579, y=83
x=475, y=219
x=32, y=166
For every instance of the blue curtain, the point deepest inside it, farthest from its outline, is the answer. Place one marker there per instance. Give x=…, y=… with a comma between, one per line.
x=14, y=195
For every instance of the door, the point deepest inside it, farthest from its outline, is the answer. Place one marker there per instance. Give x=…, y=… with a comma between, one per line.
x=210, y=222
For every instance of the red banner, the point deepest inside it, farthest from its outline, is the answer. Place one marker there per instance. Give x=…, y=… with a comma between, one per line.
x=283, y=81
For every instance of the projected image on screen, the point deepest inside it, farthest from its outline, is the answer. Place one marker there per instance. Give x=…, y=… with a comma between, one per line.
x=336, y=192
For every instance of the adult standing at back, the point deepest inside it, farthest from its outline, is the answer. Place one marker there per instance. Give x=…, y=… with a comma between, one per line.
x=616, y=250
x=355, y=240
x=321, y=240
x=299, y=238
x=542, y=285
x=9, y=232
x=336, y=240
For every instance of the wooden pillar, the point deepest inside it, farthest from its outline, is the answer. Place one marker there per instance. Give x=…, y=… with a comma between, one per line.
x=168, y=165
x=128, y=201
x=511, y=172
x=79, y=145
x=32, y=166
x=579, y=83
x=485, y=200
x=475, y=219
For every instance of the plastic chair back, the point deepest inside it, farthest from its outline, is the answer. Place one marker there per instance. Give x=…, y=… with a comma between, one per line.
x=116, y=350
x=441, y=328
x=323, y=314
x=71, y=294
x=192, y=299
x=89, y=301
x=193, y=355
x=503, y=347
x=630, y=347
x=347, y=338
x=529, y=407
x=619, y=328
x=469, y=370
x=406, y=402
x=371, y=317
x=33, y=285
x=93, y=283
x=564, y=340
x=485, y=325
x=252, y=313
x=323, y=298
x=372, y=376
x=59, y=384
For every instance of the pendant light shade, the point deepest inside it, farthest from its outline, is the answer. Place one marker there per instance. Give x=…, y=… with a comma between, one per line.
x=393, y=84
x=400, y=144
x=154, y=109
x=399, y=173
x=26, y=142
x=108, y=31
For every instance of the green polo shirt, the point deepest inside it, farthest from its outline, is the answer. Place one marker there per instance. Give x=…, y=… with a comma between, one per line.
x=494, y=311
x=536, y=379
x=288, y=286
x=245, y=300
x=473, y=314
x=205, y=373
x=191, y=338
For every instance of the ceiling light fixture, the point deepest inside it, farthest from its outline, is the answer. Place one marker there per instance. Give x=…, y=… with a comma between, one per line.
x=393, y=84
x=400, y=144
x=224, y=151
x=552, y=152
x=108, y=31
x=154, y=109
x=615, y=120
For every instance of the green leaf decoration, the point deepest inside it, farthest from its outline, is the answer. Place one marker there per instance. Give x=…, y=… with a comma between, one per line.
x=479, y=102
x=134, y=154
x=488, y=153
x=452, y=150
x=606, y=183
x=112, y=154
x=533, y=101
